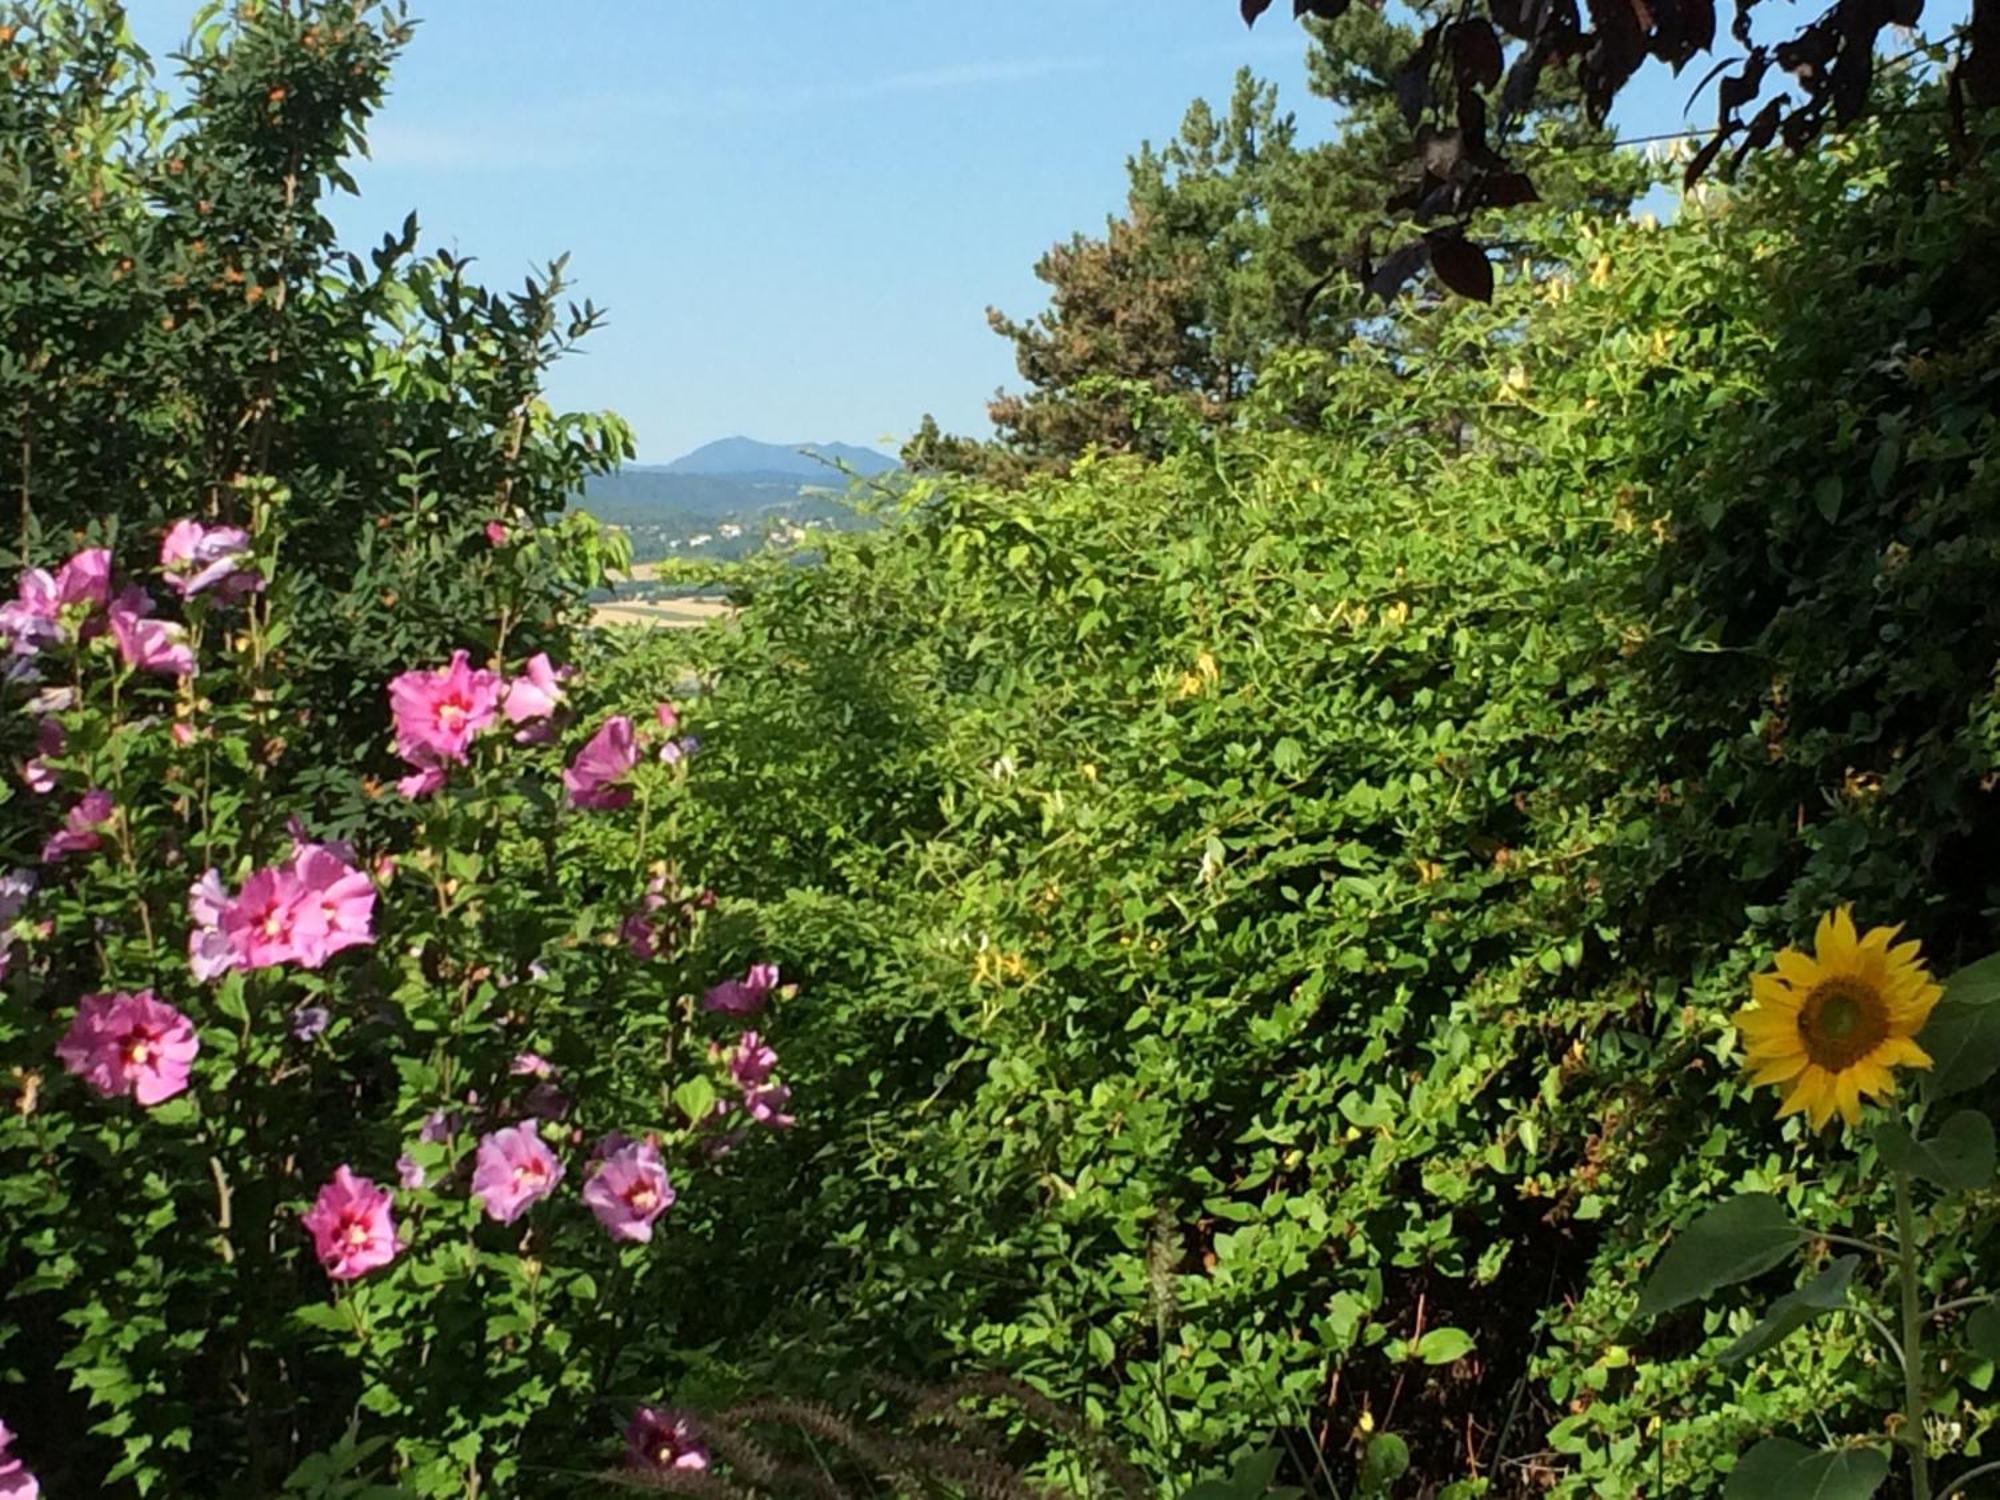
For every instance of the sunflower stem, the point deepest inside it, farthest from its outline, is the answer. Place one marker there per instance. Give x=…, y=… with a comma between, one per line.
x=1913, y=1343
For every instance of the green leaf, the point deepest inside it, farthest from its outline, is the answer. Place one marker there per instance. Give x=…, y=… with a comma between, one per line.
x=1982, y=1332
x=1250, y=1481
x=1780, y=1469
x=1963, y=1033
x=1443, y=1345
x=1825, y=1293
x=1731, y=1242
x=695, y=1099
x=1960, y=1155
x=1826, y=495
x=1385, y=1460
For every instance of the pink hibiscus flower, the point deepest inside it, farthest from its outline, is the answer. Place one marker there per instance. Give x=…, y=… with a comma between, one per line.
x=209, y=952
x=350, y=1225
x=751, y=1062
x=745, y=996
x=535, y=694
x=85, y=579
x=628, y=1189
x=421, y=782
x=261, y=922
x=83, y=826
x=196, y=558
x=16, y=1483
x=513, y=1169
x=149, y=645
x=50, y=739
x=439, y=712
x=129, y=1044
x=340, y=903
x=496, y=534
x=596, y=778
x=659, y=1440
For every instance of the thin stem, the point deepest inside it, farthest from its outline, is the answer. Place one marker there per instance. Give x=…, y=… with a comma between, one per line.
x=1913, y=1342
x=1959, y=1304
x=1873, y=1247
x=1882, y=1328
x=1957, y=1486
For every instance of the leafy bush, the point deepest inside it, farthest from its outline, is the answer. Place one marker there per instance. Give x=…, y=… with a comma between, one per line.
x=1273, y=917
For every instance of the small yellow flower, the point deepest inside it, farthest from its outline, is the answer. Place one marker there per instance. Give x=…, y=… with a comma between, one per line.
x=1830, y=1027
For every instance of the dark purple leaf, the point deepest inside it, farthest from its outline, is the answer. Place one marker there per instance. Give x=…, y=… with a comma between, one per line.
x=1980, y=66
x=1252, y=9
x=1403, y=263
x=1413, y=78
x=1325, y=10
x=1522, y=81
x=1506, y=190
x=1462, y=265
x=1475, y=53
x=1703, y=159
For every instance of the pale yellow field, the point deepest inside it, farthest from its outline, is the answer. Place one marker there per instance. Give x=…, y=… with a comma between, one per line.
x=670, y=614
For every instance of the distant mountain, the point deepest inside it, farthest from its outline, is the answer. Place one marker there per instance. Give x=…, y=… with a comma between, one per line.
x=723, y=498
x=812, y=463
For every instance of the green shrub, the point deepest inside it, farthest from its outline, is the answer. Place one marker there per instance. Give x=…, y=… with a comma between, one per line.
x=1273, y=916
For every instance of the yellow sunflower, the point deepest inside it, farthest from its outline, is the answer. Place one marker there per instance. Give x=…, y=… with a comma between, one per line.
x=1828, y=1027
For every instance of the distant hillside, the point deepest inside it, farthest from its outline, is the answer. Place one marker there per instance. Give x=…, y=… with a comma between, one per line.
x=818, y=463
x=722, y=499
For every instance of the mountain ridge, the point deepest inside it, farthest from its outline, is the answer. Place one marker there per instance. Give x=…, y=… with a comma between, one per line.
x=745, y=457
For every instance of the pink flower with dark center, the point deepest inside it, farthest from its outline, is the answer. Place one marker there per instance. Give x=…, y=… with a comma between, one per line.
x=16, y=1483
x=149, y=645
x=513, y=1169
x=343, y=897
x=196, y=558
x=628, y=1190
x=659, y=1440
x=83, y=826
x=209, y=953
x=596, y=778
x=745, y=996
x=439, y=712
x=129, y=1044
x=262, y=923
x=350, y=1225
x=535, y=693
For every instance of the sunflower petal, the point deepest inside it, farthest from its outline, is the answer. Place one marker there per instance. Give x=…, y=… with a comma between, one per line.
x=1797, y=969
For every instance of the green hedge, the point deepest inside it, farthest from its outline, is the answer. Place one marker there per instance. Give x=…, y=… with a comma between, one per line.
x=1263, y=911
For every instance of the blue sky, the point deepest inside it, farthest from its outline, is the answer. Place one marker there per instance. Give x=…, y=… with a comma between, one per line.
x=796, y=211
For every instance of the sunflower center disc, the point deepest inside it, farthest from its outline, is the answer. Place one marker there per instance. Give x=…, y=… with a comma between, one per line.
x=1841, y=1022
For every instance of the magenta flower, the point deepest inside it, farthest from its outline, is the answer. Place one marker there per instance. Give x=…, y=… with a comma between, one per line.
x=745, y=996
x=196, y=558
x=85, y=579
x=766, y=1106
x=338, y=901
x=658, y=1441
x=421, y=782
x=261, y=922
x=408, y=1173
x=595, y=779
x=531, y=1065
x=210, y=955
x=146, y=644
x=628, y=1190
x=751, y=1062
x=496, y=534
x=535, y=693
x=667, y=716
x=438, y=712
x=513, y=1169
x=350, y=1225
x=37, y=774
x=129, y=1044
x=83, y=826
x=16, y=1483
